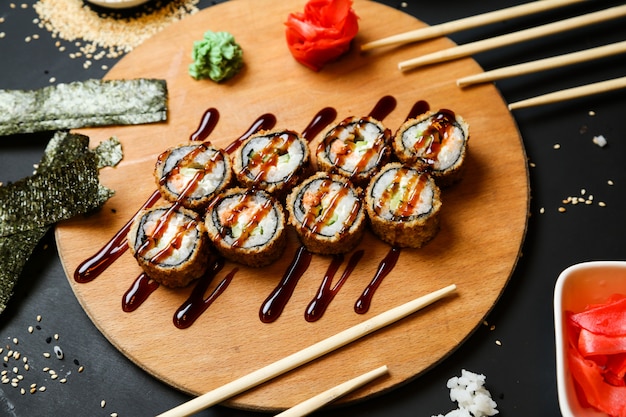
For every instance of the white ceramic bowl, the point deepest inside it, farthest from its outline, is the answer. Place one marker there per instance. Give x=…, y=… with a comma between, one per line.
x=576, y=287
x=117, y=4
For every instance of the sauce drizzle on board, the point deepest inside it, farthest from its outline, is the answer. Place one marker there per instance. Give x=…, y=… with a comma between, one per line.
x=276, y=301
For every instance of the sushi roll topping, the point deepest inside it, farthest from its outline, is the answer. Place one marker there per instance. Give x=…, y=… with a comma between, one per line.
x=196, y=169
x=355, y=146
x=429, y=138
x=268, y=158
x=166, y=235
x=244, y=217
x=406, y=195
x=325, y=205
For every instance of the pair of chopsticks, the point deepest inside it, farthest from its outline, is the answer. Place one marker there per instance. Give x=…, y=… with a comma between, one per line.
x=508, y=39
x=307, y=355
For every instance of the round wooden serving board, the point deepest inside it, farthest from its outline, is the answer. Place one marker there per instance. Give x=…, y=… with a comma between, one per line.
x=482, y=227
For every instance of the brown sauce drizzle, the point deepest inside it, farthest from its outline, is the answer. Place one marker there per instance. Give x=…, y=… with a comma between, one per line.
x=275, y=303
x=419, y=107
x=264, y=122
x=138, y=292
x=322, y=119
x=325, y=294
x=437, y=133
x=207, y=124
x=95, y=265
x=197, y=304
x=385, y=266
x=384, y=106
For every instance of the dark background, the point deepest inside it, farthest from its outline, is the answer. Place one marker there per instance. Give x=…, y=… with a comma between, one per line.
x=515, y=350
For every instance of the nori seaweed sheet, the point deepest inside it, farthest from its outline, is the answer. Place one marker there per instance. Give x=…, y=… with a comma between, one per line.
x=65, y=184
x=83, y=104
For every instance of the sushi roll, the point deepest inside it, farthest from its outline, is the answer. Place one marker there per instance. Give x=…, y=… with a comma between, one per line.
x=247, y=226
x=327, y=214
x=170, y=244
x=436, y=141
x=272, y=160
x=191, y=174
x=403, y=206
x=355, y=148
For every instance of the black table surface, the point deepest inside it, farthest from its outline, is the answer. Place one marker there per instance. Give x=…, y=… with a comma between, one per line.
x=515, y=349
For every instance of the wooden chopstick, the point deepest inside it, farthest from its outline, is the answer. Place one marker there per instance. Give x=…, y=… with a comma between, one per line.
x=511, y=38
x=544, y=64
x=306, y=355
x=571, y=93
x=467, y=23
x=306, y=407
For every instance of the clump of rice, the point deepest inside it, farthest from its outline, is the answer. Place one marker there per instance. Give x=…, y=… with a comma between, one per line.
x=473, y=399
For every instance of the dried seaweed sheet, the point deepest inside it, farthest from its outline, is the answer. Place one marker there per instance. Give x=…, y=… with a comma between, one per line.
x=83, y=104
x=65, y=184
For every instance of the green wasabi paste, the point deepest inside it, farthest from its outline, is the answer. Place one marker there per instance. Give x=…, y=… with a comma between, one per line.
x=217, y=56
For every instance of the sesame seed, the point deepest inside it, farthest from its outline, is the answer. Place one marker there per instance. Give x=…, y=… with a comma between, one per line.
x=26, y=367
x=63, y=380
x=56, y=336
x=557, y=146
x=39, y=318
x=102, y=404
x=46, y=369
x=499, y=343
x=610, y=182
x=592, y=113
x=30, y=329
x=42, y=388
x=542, y=210
x=561, y=209
x=33, y=390
x=81, y=369
x=46, y=354
x=58, y=352
x=22, y=391
x=602, y=204
x=113, y=414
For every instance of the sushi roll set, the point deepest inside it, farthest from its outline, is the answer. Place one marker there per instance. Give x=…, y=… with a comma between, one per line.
x=240, y=206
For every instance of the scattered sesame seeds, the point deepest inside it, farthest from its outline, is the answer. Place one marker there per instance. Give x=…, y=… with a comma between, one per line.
x=499, y=343
x=58, y=352
x=107, y=34
x=600, y=141
x=556, y=146
x=592, y=113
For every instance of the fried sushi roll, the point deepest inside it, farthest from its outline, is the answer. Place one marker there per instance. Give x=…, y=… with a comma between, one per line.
x=403, y=206
x=247, y=226
x=327, y=213
x=170, y=244
x=192, y=174
x=355, y=148
x=272, y=160
x=436, y=141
